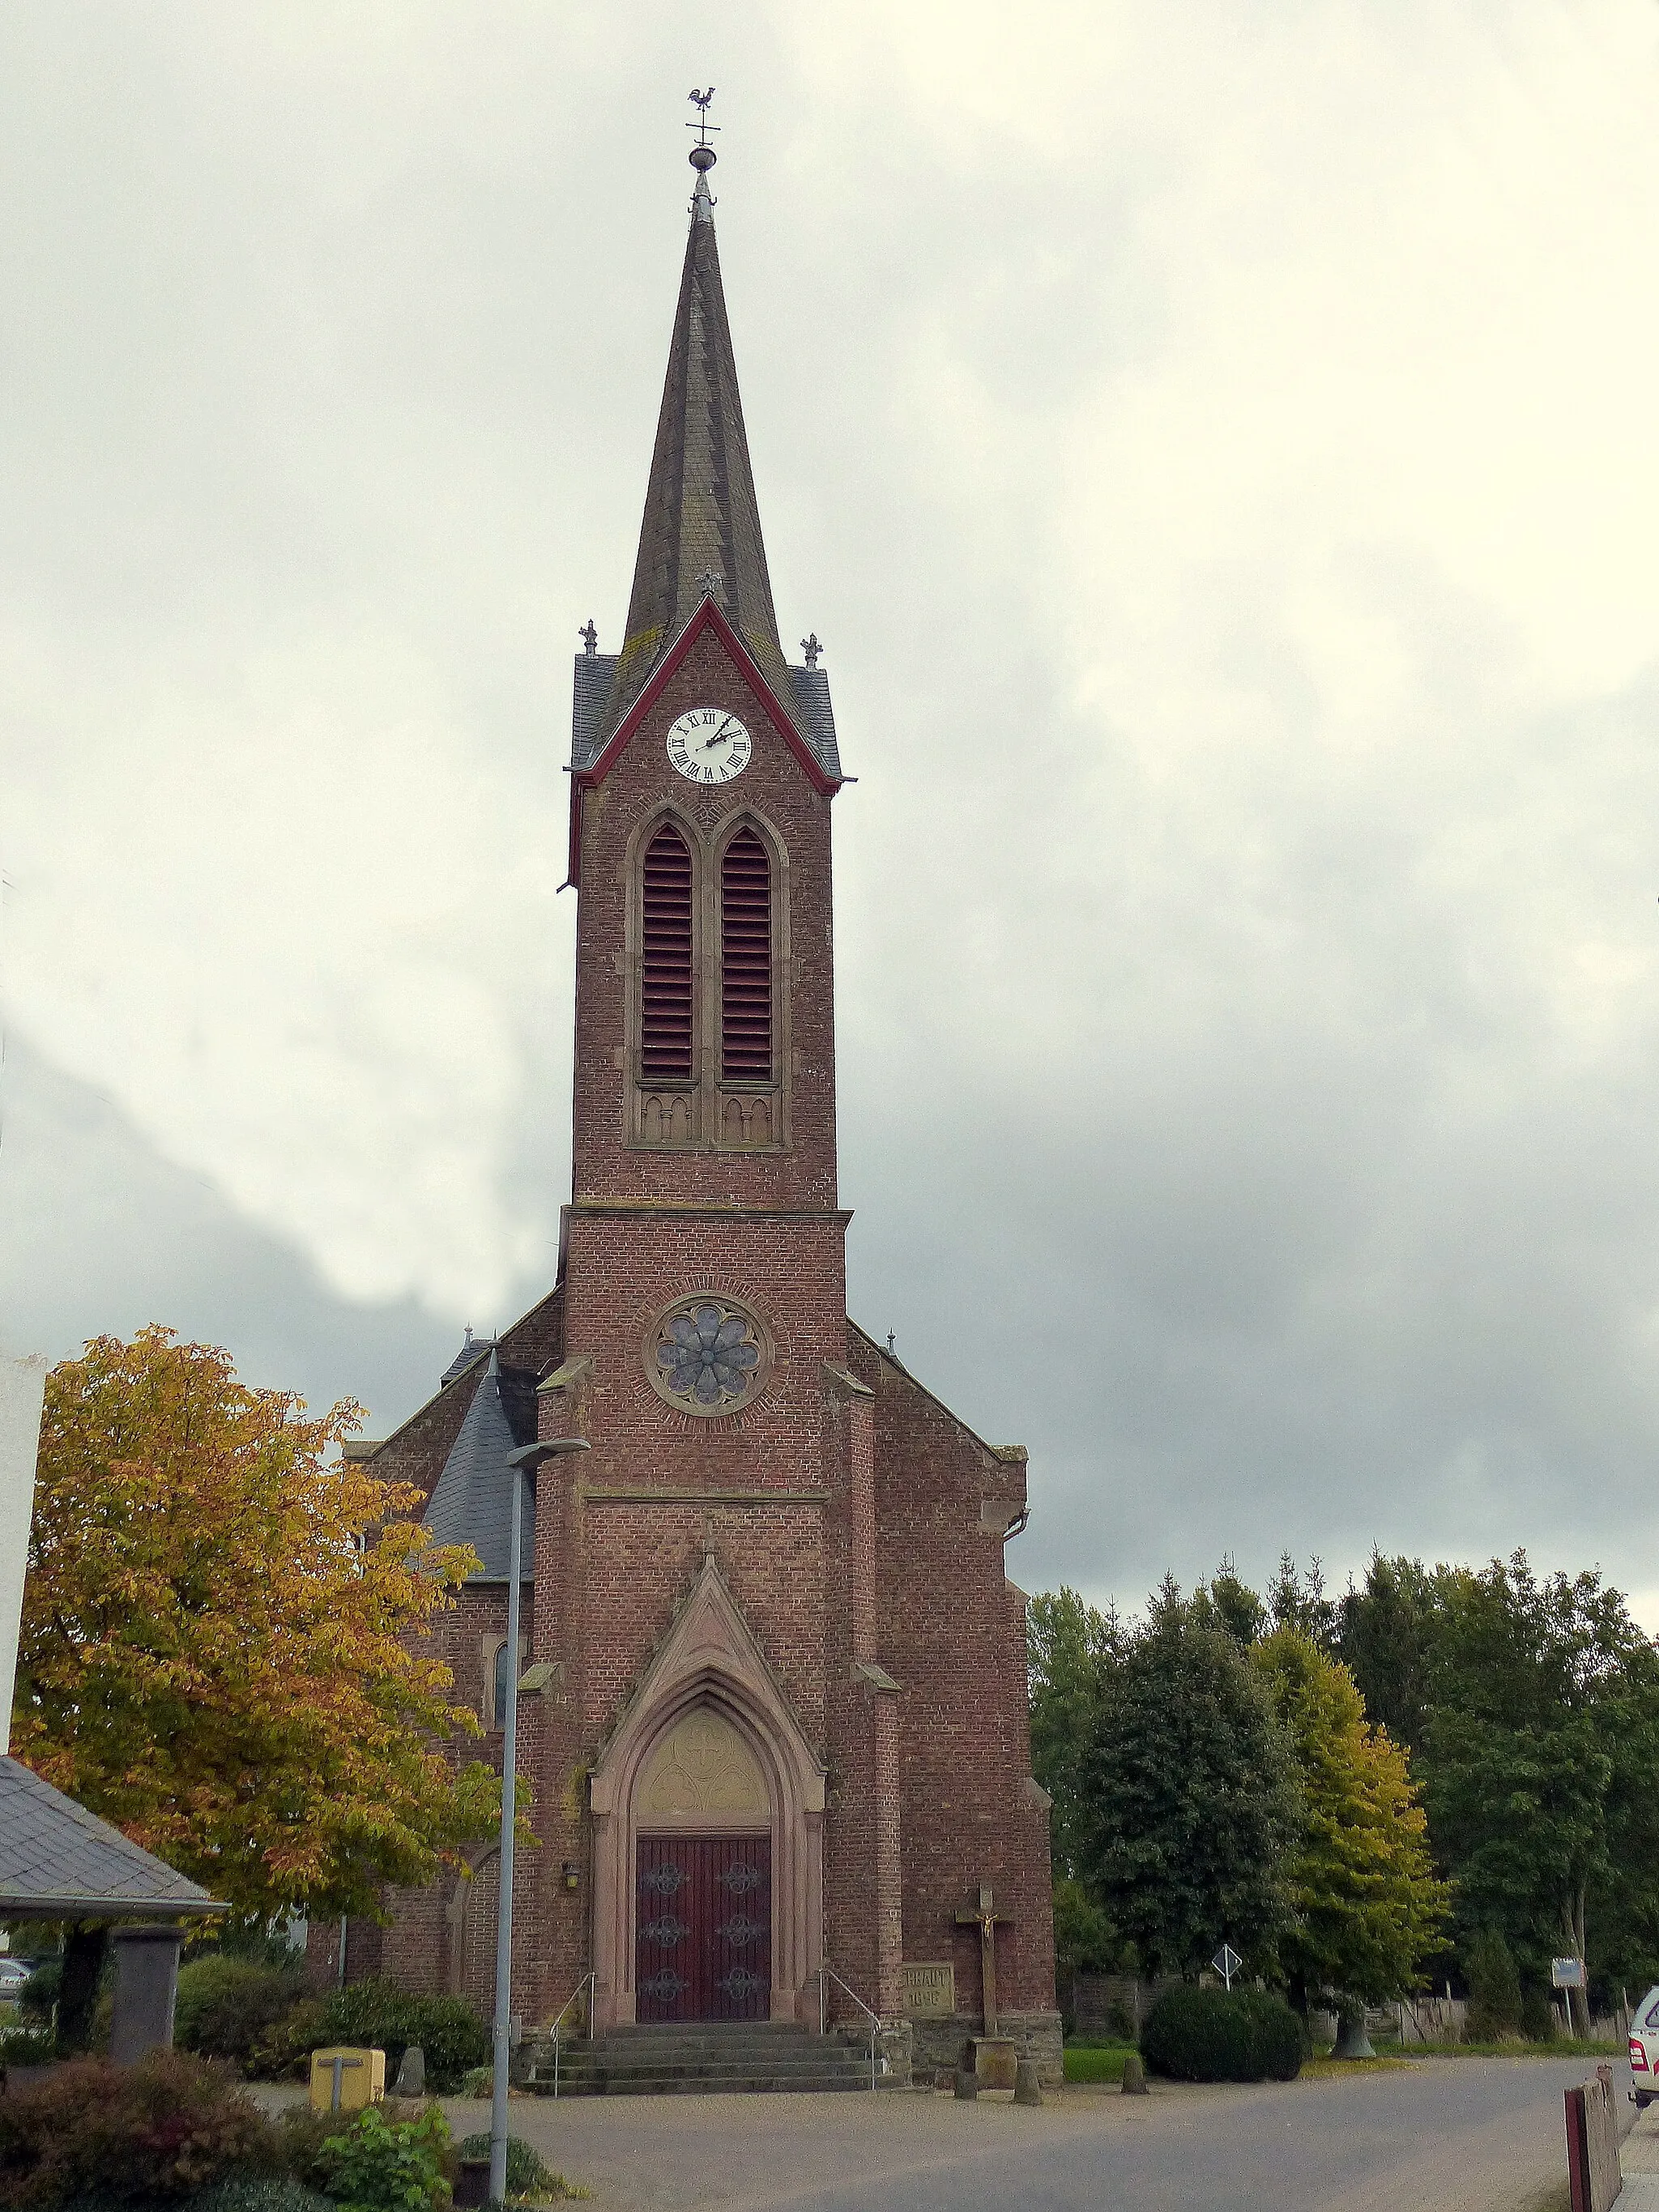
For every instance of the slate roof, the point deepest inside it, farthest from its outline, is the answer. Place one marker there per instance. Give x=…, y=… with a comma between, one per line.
x=701, y=512
x=808, y=695
x=471, y=1353
x=59, y=1862
x=815, y=717
x=471, y=1501
x=594, y=675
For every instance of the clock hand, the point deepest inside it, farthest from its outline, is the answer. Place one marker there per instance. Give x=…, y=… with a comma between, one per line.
x=719, y=737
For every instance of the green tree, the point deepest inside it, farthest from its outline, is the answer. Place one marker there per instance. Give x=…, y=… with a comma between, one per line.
x=1188, y=1793
x=1084, y=1937
x=1367, y=1904
x=1226, y=1602
x=1495, y=2006
x=1066, y=1643
x=1542, y=1761
x=1385, y=1638
x=1296, y=1600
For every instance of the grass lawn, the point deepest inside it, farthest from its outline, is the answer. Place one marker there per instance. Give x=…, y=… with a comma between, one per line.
x=1095, y=2062
x=1563, y=2046
x=1323, y=2068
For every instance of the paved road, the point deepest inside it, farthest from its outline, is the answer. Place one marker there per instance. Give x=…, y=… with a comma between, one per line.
x=1454, y=2136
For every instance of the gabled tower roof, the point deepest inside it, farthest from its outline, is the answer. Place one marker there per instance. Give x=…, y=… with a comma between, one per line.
x=702, y=517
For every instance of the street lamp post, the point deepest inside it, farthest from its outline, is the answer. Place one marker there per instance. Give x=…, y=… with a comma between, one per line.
x=523, y=1464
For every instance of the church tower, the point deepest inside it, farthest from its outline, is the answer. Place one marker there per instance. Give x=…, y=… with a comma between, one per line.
x=776, y=1714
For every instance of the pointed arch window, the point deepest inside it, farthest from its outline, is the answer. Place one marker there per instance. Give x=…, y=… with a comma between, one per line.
x=666, y=996
x=746, y=1053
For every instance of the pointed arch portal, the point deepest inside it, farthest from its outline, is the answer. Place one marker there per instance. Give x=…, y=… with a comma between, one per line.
x=709, y=1784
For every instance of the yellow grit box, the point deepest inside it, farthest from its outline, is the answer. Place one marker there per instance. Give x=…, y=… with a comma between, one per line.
x=344, y=2080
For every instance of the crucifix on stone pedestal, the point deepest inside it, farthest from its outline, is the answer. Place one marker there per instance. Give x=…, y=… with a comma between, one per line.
x=984, y=1916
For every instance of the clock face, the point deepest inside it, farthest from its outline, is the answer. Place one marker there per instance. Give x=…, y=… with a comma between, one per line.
x=708, y=745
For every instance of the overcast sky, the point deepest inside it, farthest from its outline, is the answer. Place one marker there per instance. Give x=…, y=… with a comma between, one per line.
x=1218, y=448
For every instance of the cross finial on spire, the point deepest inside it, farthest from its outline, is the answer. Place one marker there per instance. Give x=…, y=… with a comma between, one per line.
x=590, y=638
x=812, y=649
x=710, y=582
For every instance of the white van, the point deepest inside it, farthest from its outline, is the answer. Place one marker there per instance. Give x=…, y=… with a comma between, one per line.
x=1644, y=2049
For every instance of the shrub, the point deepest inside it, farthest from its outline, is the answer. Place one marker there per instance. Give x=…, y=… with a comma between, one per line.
x=1538, y=2022
x=228, y=2007
x=38, y=1994
x=526, y=2169
x=478, y=2082
x=300, y=2135
x=378, y=2165
x=26, y=2046
x=282, y=2050
x=1214, y=2035
x=151, y=2133
x=264, y=2192
x=380, y=2015
x=1494, y=1988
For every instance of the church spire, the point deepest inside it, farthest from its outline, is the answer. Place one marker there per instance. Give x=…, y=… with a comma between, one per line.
x=701, y=534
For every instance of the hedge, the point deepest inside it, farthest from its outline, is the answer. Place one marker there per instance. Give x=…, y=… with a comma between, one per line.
x=1216, y=2035
x=451, y=2036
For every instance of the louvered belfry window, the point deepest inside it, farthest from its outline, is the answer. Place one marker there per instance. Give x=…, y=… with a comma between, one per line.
x=666, y=994
x=746, y=960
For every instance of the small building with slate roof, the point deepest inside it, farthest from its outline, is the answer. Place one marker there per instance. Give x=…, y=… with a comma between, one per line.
x=59, y=1861
x=779, y=1719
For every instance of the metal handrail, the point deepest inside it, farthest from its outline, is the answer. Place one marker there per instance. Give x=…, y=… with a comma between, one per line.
x=874, y=2018
x=586, y=1983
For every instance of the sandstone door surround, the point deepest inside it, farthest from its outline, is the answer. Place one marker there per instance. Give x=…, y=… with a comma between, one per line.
x=708, y=1743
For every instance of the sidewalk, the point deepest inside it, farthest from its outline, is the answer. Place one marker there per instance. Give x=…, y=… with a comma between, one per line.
x=1638, y=2160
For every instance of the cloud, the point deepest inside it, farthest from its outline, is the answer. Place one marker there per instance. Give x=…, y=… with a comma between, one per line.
x=1215, y=448
x=102, y=1236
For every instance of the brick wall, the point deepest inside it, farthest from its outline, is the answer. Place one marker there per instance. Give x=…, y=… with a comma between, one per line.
x=952, y=1630
x=777, y=786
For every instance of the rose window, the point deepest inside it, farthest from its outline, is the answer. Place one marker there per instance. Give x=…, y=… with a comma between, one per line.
x=706, y=1355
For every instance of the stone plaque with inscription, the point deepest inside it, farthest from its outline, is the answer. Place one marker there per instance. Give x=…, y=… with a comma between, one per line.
x=930, y=1991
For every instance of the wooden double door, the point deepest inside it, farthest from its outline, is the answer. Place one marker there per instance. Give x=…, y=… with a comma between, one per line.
x=703, y=1918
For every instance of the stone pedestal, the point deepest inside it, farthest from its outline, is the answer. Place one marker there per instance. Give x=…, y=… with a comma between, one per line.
x=995, y=2060
x=146, y=1986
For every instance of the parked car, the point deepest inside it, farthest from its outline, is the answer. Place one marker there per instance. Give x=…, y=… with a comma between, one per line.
x=1644, y=2049
x=14, y=1972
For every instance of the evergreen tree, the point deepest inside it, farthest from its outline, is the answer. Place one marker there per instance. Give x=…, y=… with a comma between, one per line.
x=1300, y=1601
x=1226, y=1602
x=1385, y=1638
x=1188, y=1801
x=1494, y=1987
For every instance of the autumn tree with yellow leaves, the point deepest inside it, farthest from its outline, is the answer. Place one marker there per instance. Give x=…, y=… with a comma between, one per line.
x=221, y=1637
x=1366, y=1903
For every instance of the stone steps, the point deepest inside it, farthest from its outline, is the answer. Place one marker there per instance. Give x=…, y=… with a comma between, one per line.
x=702, y=2058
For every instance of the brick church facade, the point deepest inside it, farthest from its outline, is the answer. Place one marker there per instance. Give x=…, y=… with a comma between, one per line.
x=778, y=1713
